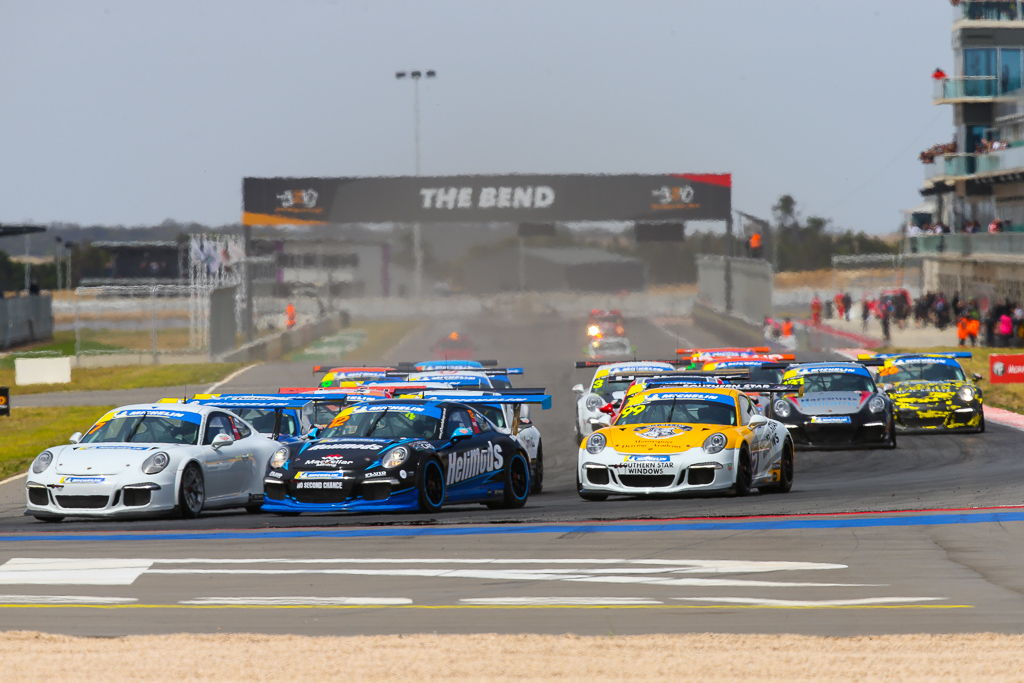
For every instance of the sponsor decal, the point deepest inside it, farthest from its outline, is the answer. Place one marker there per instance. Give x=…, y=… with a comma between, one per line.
x=420, y=445
x=648, y=458
x=275, y=474
x=832, y=369
x=673, y=197
x=659, y=431
x=82, y=480
x=1006, y=368
x=830, y=419
x=346, y=446
x=327, y=461
x=320, y=485
x=112, y=448
x=692, y=396
x=374, y=474
x=391, y=406
x=488, y=197
x=474, y=462
x=298, y=199
x=173, y=414
x=319, y=475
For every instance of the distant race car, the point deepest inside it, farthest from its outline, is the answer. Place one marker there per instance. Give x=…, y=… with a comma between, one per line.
x=835, y=405
x=601, y=392
x=455, y=346
x=609, y=348
x=930, y=392
x=147, y=459
x=351, y=376
x=400, y=454
x=686, y=439
x=605, y=324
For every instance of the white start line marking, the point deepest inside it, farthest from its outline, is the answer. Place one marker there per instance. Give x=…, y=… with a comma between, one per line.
x=63, y=600
x=560, y=601
x=288, y=600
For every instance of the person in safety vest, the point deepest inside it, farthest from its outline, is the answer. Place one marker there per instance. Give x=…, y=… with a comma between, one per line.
x=289, y=314
x=755, y=245
x=962, y=326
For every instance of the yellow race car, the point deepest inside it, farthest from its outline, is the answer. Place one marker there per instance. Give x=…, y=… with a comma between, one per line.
x=930, y=392
x=673, y=440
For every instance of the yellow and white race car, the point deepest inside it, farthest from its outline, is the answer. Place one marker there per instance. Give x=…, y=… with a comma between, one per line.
x=674, y=440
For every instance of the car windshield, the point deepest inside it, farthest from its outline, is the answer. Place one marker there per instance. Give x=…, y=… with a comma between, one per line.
x=606, y=389
x=264, y=419
x=837, y=381
x=143, y=429
x=932, y=372
x=493, y=413
x=385, y=422
x=679, y=410
x=765, y=376
x=325, y=411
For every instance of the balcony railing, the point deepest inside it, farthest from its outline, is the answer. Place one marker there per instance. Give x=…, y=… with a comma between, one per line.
x=950, y=165
x=990, y=10
x=961, y=244
x=1002, y=160
x=966, y=88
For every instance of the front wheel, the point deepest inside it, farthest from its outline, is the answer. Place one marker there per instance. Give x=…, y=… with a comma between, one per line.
x=431, y=485
x=891, y=443
x=744, y=476
x=191, y=492
x=537, y=478
x=981, y=424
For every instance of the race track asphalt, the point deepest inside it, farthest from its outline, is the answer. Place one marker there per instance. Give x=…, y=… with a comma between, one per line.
x=473, y=569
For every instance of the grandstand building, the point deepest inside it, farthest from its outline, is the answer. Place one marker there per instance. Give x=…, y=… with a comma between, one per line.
x=979, y=175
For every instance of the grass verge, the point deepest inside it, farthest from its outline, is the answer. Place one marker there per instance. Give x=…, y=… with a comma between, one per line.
x=1006, y=396
x=127, y=377
x=30, y=430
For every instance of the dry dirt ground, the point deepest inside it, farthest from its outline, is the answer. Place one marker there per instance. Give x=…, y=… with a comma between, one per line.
x=29, y=656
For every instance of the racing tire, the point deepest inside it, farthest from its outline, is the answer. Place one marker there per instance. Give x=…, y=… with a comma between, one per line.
x=537, y=476
x=785, y=483
x=191, y=492
x=981, y=425
x=585, y=495
x=891, y=443
x=52, y=519
x=744, y=476
x=430, y=485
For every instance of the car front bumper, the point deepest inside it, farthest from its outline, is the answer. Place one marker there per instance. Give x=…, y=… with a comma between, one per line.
x=122, y=496
x=941, y=417
x=383, y=494
x=857, y=433
x=692, y=471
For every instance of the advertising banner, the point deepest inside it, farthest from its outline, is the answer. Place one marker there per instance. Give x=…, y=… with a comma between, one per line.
x=474, y=198
x=1006, y=368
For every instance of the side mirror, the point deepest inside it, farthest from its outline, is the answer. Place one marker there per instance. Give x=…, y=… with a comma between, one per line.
x=578, y=389
x=75, y=438
x=313, y=433
x=222, y=440
x=887, y=388
x=525, y=421
x=977, y=377
x=461, y=434
x=758, y=421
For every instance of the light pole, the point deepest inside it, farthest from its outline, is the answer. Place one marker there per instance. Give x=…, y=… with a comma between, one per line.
x=417, y=238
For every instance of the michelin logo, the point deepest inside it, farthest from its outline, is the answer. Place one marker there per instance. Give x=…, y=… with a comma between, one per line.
x=82, y=480
x=474, y=462
x=346, y=446
x=320, y=475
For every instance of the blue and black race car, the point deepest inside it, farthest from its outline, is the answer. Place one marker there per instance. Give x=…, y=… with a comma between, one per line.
x=402, y=454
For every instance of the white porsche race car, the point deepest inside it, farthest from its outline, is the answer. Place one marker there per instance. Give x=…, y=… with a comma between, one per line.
x=602, y=391
x=146, y=459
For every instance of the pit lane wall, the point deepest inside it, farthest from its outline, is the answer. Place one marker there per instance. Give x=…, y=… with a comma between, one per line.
x=737, y=287
x=25, y=319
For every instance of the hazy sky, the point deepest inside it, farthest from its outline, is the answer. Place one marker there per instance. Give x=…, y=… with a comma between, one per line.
x=135, y=111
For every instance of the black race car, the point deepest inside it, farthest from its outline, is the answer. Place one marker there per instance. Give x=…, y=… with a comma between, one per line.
x=401, y=454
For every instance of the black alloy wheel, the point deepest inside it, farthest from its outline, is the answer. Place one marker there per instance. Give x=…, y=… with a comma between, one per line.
x=431, y=485
x=744, y=476
x=517, y=481
x=191, y=492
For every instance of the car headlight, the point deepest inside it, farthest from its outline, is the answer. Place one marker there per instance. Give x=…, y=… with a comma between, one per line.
x=279, y=458
x=715, y=443
x=876, y=404
x=965, y=393
x=594, y=402
x=155, y=463
x=783, y=408
x=596, y=443
x=395, y=457
x=42, y=461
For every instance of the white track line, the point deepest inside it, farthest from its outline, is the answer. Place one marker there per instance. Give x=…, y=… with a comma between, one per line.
x=63, y=600
x=296, y=600
x=769, y=602
x=217, y=385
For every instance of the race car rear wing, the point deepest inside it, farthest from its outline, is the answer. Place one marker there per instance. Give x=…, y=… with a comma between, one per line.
x=600, y=363
x=889, y=356
x=426, y=365
x=719, y=349
x=491, y=398
x=679, y=375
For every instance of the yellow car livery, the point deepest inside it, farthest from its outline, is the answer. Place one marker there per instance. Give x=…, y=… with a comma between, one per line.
x=930, y=392
x=680, y=439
